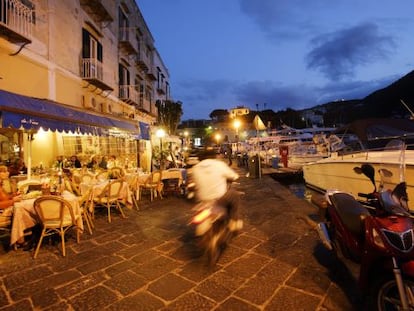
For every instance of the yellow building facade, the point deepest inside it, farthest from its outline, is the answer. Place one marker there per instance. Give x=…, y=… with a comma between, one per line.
x=82, y=78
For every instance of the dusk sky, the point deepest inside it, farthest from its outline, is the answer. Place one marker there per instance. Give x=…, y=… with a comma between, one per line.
x=278, y=54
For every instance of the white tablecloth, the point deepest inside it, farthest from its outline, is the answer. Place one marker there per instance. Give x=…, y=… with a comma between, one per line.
x=24, y=216
x=98, y=187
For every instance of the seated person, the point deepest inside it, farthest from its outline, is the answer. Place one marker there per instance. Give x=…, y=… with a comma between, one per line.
x=93, y=163
x=103, y=164
x=75, y=163
x=112, y=162
x=6, y=199
x=8, y=186
x=59, y=162
x=18, y=167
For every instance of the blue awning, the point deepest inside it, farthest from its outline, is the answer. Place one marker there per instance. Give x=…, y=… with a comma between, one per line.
x=20, y=111
x=145, y=130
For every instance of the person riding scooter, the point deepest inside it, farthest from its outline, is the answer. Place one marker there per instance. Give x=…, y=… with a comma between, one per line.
x=211, y=177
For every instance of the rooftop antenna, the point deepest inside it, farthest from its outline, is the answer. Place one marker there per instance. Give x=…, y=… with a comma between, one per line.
x=408, y=108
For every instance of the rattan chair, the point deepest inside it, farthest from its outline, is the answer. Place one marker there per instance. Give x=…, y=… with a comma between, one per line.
x=134, y=188
x=86, y=206
x=153, y=185
x=56, y=217
x=6, y=218
x=102, y=176
x=116, y=172
x=87, y=178
x=109, y=197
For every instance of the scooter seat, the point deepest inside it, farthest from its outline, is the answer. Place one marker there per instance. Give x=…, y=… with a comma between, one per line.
x=350, y=211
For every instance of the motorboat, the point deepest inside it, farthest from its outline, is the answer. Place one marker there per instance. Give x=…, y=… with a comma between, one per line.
x=304, y=145
x=337, y=170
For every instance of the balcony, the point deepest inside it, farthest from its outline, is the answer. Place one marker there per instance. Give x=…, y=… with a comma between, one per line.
x=142, y=61
x=92, y=71
x=151, y=73
x=129, y=94
x=16, y=21
x=97, y=10
x=127, y=40
x=160, y=90
x=146, y=105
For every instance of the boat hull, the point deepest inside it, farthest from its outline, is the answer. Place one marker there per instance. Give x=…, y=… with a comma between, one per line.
x=337, y=172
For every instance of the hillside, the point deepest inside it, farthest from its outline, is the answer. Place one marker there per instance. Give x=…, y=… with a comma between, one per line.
x=383, y=103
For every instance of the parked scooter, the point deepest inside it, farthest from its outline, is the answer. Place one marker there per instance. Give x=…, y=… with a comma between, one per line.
x=379, y=237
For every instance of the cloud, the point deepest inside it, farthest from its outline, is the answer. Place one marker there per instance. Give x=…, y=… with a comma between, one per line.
x=338, y=54
x=284, y=19
x=276, y=96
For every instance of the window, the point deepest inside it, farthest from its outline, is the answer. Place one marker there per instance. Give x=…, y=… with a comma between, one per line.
x=123, y=26
x=91, y=48
x=92, y=56
x=123, y=82
x=123, y=75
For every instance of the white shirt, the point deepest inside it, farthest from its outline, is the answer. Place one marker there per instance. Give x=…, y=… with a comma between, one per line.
x=210, y=177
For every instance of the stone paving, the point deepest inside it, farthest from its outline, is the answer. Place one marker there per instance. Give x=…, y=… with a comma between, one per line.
x=149, y=261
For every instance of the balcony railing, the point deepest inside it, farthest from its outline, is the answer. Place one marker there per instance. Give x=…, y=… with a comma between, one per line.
x=142, y=61
x=129, y=94
x=161, y=90
x=151, y=73
x=16, y=21
x=97, y=9
x=146, y=105
x=92, y=71
x=127, y=40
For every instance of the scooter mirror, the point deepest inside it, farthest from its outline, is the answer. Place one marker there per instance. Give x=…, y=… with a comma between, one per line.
x=358, y=170
x=385, y=173
x=369, y=171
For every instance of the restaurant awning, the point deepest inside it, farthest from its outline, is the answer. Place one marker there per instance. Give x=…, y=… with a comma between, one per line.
x=20, y=111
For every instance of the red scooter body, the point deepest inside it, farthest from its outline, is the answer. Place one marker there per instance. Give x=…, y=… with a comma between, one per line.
x=382, y=242
x=379, y=250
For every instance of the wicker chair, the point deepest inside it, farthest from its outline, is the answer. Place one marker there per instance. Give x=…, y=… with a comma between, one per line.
x=109, y=197
x=6, y=218
x=153, y=185
x=85, y=204
x=56, y=216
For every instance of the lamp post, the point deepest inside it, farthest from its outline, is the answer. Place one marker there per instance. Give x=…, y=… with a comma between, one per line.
x=218, y=137
x=160, y=134
x=186, y=139
x=237, y=124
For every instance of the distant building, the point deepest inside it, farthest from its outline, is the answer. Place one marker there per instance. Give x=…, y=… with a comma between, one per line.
x=239, y=111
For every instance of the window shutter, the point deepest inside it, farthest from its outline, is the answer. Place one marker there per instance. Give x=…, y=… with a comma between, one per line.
x=86, y=53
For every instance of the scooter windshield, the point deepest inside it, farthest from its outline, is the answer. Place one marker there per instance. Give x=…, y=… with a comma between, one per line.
x=393, y=192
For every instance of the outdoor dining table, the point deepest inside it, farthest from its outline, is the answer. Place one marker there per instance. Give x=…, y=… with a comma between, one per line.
x=173, y=180
x=96, y=187
x=25, y=217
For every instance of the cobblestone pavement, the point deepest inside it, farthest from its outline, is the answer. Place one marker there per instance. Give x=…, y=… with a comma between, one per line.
x=149, y=261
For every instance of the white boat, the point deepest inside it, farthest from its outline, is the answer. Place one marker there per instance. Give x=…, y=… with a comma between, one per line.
x=303, y=144
x=337, y=171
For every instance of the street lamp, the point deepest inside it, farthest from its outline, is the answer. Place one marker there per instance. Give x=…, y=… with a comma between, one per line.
x=186, y=139
x=218, y=137
x=236, y=125
x=160, y=133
